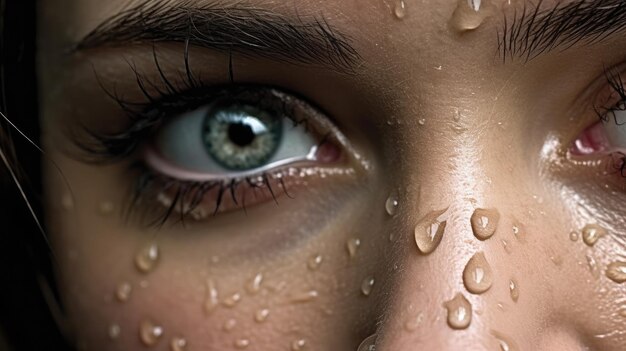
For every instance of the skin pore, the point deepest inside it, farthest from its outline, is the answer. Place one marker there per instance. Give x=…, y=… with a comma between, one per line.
x=460, y=215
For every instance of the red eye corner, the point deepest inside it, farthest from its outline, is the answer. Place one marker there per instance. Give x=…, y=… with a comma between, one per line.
x=591, y=141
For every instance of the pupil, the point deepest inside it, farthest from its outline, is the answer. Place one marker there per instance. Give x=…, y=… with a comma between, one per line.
x=240, y=134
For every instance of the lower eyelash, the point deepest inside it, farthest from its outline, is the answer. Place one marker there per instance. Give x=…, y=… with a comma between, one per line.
x=188, y=199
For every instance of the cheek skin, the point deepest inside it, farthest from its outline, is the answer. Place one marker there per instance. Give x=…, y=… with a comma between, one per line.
x=105, y=291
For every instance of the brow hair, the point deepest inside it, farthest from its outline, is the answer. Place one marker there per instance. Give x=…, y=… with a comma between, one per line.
x=534, y=31
x=231, y=29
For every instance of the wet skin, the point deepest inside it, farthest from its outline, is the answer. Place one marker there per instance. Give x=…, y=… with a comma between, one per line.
x=432, y=114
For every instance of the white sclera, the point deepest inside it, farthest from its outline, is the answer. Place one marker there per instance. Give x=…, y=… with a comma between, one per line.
x=180, y=143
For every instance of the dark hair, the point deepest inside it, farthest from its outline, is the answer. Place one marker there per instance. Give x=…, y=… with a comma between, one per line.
x=25, y=261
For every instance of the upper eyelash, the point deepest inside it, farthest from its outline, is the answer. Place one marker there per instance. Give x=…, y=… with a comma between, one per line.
x=146, y=116
x=617, y=85
x=169, y=99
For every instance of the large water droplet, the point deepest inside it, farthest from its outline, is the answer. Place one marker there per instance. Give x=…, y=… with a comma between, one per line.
x=178, y=344
x=123, y=292
x=150, y=333
x=459, y=312
x=429, y=231
x=298, y=345
x=484, y=223
x=314, y=262
x=261, y=315
x=469, y=15
x=391, y=205
x=477, y=275
x=369, y=344
x=254, y=285
x=353, y=246
x=616, y=271
x=399, y=9
x=212, y=300
x=147, y=258
x=367, y=285
x=514, y=290
x=592, y=233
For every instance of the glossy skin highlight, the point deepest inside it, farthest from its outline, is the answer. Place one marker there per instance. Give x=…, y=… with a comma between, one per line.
x=441, y=122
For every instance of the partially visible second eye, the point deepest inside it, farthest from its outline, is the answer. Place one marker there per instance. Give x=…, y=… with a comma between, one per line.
x=607, y=135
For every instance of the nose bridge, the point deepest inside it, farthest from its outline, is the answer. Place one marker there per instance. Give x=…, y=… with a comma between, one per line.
x=447, y=260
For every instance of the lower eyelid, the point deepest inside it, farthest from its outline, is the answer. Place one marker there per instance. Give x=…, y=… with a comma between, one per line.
x=221, y=197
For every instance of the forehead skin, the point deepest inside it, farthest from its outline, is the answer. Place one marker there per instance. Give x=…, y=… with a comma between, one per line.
x=453, y=128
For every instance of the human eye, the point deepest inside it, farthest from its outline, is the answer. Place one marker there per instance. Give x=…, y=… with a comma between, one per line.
x=203, y=149
x=602, y=145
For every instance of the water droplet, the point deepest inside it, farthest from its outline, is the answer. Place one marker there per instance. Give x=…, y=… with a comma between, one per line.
x=459, y=312
x=314, y=262
x=67, y=202
x=367, y=285
x=469, y=15
x=399, y=10
x=369, y=344
x=414, y=322
x=421, y=121
x=147, y=258
x=261, y=315
x=484, y=223
x=391, y=205
x=212, y=301
x=232, y=300
x=305, y=296
x=114, y=331
x=592, y=265
x=518, y=232
x=242, y=343
x=514, y=290
x=150, y=333
x=429, y=231
x=477, y=275
x=592, y=233
x=505, y=245
x=178, y=344
x=106, y=208
x=616, y=271
x=254, y=285
x=229, y=325
x=353, y=246
x=474, y=4
x=573, y=236
x=505, y=343
x=123, y=292
x=298, y=345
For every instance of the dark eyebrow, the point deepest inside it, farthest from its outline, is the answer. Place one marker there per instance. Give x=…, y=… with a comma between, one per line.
x=536, y=31
x=238, y=29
